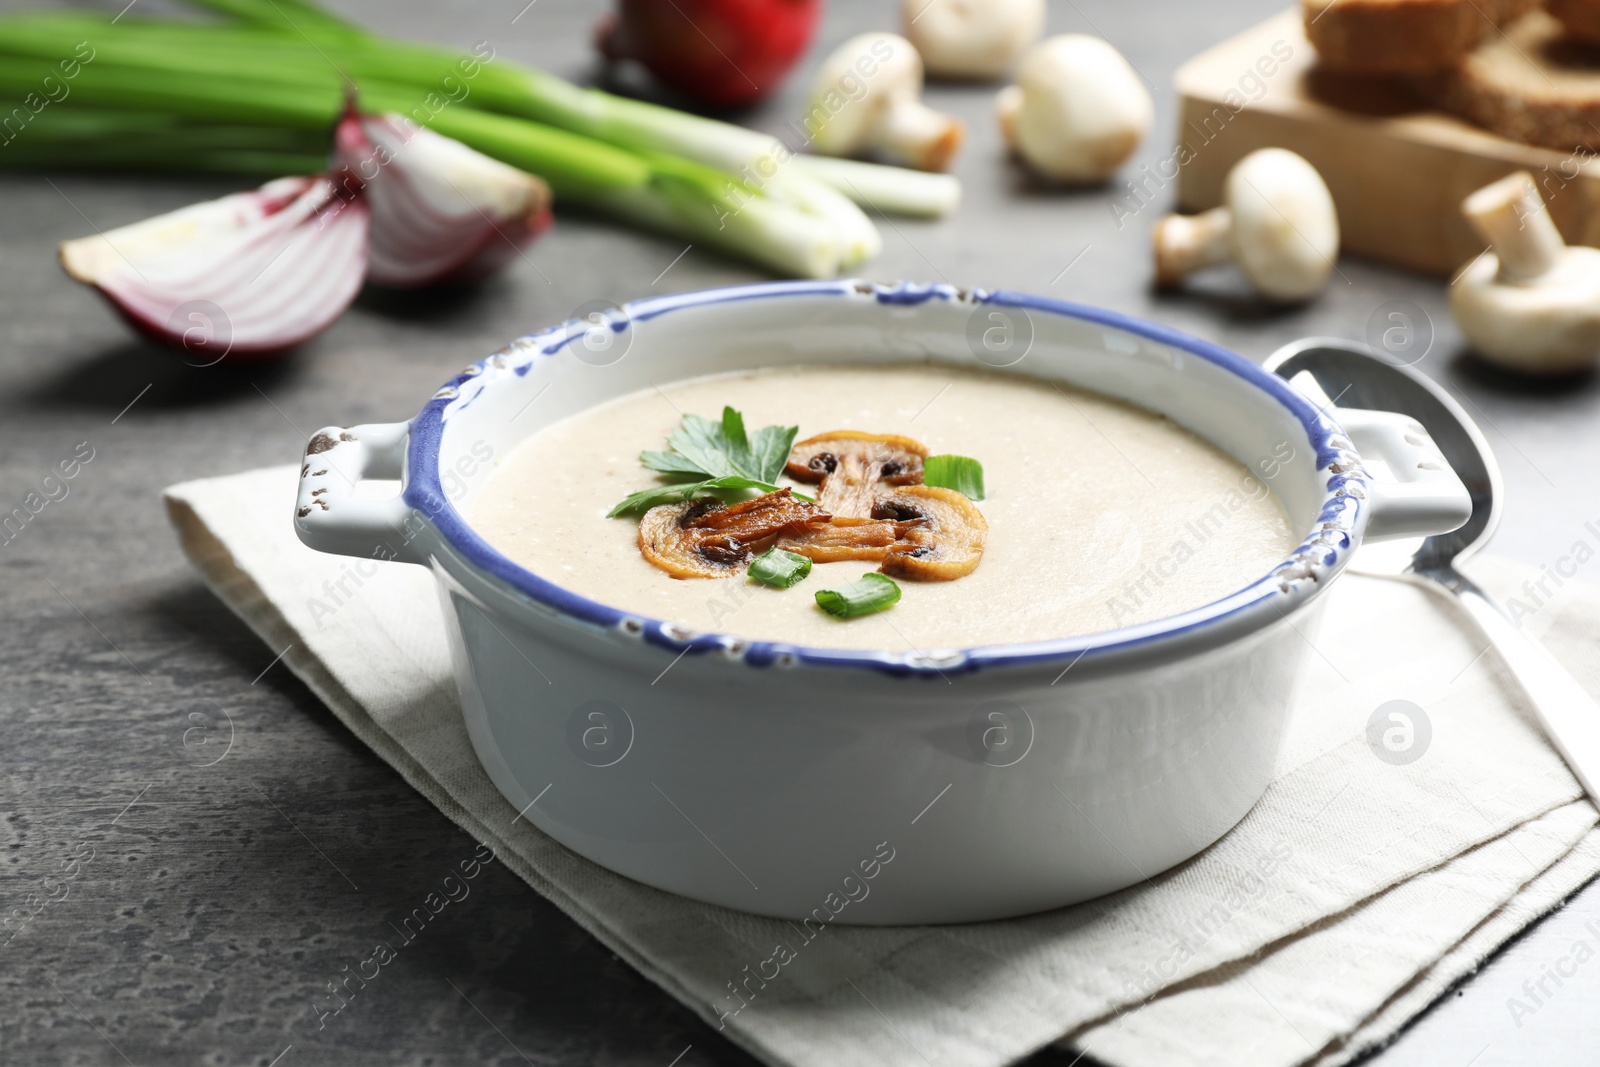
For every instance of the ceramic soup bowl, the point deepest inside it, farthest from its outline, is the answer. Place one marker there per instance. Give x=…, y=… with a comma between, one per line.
x=877, y=787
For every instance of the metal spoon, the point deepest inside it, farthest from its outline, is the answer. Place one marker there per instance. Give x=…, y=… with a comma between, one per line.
x=1355, y=376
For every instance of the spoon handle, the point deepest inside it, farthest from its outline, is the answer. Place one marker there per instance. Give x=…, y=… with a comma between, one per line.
x=1570, y=717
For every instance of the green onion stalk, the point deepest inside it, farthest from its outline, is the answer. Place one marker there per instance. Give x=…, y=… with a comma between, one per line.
x=265, y=88
x=135, y=141
x=666, y=193
x=541, y=96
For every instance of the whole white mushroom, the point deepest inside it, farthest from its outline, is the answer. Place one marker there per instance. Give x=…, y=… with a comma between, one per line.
x=1078, y=109
x=1533, y=302
x=977, y=40
x=867, y=100
x=1277, y=223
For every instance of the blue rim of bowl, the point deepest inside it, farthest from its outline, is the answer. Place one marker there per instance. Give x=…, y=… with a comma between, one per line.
x=1322, y=554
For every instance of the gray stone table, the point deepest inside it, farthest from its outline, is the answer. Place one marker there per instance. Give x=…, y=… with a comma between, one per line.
x=207, y=911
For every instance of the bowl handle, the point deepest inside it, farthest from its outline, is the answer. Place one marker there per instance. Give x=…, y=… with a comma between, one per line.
x=1426, y=497
x=329, y=517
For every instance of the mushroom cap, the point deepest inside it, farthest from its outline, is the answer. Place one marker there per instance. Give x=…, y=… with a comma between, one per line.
x=971, y=39
x=668, y=544
x=708, y=539
x=853, y=466
x=1081, y=112
x=858, y=82
x=816, y=457
x=945, y=545
x=1549, y=325
x=1284, y=231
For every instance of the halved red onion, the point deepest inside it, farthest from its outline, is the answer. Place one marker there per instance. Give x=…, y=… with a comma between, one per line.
x=441, y=212
x=246, y=276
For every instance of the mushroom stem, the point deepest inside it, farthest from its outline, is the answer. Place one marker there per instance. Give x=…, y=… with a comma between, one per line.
x=1007, y=110
x=1187, y=243
x=1511, y=216
x=852, y=465
x=917, y=135
x=1531, y=303
x=867, y=99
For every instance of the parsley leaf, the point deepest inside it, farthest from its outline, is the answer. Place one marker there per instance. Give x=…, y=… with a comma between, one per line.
x=705, y=456
x=769, y=450
x=719, y=449
x=727, y=488
x=673, y=464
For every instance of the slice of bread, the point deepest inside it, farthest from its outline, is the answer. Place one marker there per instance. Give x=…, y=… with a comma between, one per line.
x=1531, y=83
x=1402, y=36
x=1580, y=17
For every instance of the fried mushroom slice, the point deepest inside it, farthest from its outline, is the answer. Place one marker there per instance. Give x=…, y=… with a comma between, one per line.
x=709, y=539
x=863, y=540
x=853, y=467
x=945, y=545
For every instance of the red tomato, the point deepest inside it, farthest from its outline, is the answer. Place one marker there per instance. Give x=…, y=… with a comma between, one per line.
x=723, y=53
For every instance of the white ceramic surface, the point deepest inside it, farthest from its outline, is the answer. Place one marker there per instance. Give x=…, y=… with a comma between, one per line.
x=933, y=785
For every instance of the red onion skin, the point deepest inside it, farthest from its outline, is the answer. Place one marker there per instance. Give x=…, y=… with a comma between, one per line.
x=312, y=242
x=341, y=275
x=412, y=244
x=201, y=353
x=721, y=53
x=500, y=252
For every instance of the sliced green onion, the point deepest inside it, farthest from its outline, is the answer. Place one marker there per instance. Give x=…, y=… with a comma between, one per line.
x=869, y=593
x=961, y=473
x=780, y=569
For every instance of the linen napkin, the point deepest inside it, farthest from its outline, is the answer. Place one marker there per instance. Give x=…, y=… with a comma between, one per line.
x=1353, y=893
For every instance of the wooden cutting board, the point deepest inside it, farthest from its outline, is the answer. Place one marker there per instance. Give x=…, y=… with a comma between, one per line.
x=1398, y=170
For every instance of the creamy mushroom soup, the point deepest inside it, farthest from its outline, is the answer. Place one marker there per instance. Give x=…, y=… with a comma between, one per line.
x=1099, y=514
